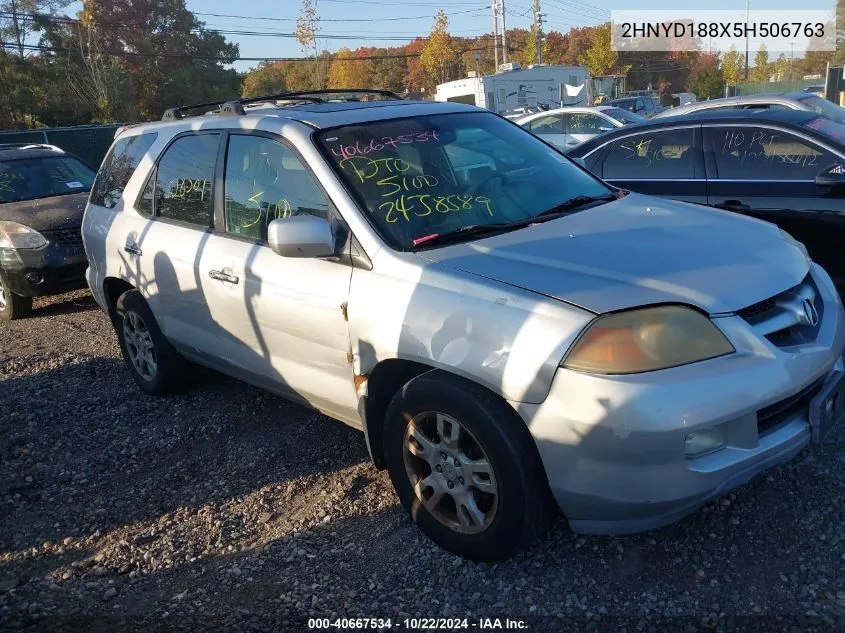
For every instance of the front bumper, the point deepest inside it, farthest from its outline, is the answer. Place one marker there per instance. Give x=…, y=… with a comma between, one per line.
x=613, y=446
x=37, y=272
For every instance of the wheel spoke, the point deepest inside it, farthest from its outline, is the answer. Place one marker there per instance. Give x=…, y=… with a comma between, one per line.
x=449, y=431
x=418, y=444
x=436, y=494
x=480, y=474
x=469, y=514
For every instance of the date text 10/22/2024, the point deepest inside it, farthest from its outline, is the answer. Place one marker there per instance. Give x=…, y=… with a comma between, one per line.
x=418, y=624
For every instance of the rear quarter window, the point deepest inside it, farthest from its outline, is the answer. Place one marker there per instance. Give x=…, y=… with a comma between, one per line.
x=117, y=168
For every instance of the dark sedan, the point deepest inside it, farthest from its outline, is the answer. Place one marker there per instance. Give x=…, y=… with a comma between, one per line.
x=784, y=166
x=43, y=192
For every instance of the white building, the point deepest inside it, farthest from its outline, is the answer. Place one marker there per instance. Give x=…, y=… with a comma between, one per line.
x=543, y=85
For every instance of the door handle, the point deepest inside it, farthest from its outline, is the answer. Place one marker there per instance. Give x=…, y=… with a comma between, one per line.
x=219, y=275
x=733, y=205
x=132, y=249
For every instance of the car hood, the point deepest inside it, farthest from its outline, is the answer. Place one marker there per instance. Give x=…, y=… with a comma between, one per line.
x=636, y=251
x=47, y=214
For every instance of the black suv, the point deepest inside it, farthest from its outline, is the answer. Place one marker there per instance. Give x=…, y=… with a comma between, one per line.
x=43, y=191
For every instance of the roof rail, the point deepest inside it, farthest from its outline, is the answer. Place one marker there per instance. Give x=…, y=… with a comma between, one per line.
x=234, y=107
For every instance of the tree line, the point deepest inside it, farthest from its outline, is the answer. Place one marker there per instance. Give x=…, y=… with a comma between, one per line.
x=128, y=60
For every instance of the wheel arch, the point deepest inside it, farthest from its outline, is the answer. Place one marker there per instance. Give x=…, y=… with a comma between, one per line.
x=113, y=287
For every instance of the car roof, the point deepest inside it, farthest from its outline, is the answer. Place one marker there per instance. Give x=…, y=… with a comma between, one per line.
x=324, y=115
x=796, y=118
x=17, y=151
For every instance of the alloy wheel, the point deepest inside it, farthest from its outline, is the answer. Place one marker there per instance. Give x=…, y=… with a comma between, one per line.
x=450, y=473
x=3, y=299
x=139, y=345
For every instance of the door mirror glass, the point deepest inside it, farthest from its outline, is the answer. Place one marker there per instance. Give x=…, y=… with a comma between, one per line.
x=831, y=177
x=301, y=236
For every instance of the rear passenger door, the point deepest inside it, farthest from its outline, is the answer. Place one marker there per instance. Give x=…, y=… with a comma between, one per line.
x=281, y=319
x=770, y=173
x=666, y=162
x=177, y=202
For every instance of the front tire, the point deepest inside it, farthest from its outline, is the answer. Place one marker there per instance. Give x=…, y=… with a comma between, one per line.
x=12, y=306
x=465, y=467
x=154, y=363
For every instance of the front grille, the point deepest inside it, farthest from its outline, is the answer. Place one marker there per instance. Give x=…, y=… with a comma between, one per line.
x=770, y=417
x=758, y=310
x=68, y=237
x=782, y=319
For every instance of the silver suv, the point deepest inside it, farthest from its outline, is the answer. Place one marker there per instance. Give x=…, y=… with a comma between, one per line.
x=510, y=333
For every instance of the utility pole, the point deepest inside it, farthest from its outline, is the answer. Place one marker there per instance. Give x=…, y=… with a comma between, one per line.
x=495, y=6
x=504, y=36
x=747, y=7
x=538, y=33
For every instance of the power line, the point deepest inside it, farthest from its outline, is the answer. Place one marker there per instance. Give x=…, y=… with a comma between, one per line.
x=416, y=17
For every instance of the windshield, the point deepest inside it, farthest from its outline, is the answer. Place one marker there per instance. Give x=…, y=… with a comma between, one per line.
x=831, y=129
x=30, y=178
x=824, y=107
x=624, y=116
x=437, y=174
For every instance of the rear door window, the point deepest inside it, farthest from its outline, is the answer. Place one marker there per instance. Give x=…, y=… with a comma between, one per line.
x=184, y=180
x=117, y=168
x=666, y=154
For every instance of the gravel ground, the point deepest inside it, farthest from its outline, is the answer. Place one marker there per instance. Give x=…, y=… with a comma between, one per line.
x=230, y=509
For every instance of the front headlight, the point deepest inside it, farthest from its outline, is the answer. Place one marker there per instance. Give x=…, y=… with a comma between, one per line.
x=788, y=238
x=645, y=340
x=18, y=236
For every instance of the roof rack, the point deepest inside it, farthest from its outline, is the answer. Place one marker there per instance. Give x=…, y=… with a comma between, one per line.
x=235, y=107
x=9, y=146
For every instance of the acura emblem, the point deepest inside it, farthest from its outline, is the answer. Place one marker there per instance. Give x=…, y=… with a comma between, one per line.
x=810, y=312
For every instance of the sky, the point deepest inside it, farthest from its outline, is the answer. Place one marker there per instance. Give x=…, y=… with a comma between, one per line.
x=354, y=23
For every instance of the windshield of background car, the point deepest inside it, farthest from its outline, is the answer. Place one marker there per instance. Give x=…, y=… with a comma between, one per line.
x=435, y=174
x=624, y=116
x=829, y=128
x=824, y=107
x=30, y=178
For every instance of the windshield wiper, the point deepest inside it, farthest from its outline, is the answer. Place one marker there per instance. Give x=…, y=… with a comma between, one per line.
x=464, y=231
x=569, y=205
x=474, y=230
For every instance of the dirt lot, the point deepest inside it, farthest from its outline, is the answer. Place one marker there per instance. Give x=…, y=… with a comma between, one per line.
x=230, y=509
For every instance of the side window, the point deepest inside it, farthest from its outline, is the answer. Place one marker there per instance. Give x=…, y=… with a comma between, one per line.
x=654, y=155
x=265, y=181
x=184, y=179
x=765, y=154
x=117, y=168
x=586, y=124
x=549, y=124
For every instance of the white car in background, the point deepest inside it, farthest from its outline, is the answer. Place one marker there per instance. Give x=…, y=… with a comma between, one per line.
x=567, y=127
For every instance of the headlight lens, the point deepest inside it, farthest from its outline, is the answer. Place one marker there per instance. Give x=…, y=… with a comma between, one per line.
x=788, y=238
x=18, y=236
x=646, y=340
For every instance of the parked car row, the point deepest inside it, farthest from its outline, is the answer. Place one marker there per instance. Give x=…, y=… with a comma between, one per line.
x=513, y=334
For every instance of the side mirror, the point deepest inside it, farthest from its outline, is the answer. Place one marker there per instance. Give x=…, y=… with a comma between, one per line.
x=301, y=236
x=831, y=177
x=579, y=161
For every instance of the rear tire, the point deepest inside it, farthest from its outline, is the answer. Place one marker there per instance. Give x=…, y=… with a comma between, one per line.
x=12, y=306
x=154, y=363
x=489, y=496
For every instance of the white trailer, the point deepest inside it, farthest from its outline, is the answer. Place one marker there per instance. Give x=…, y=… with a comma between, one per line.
x=552, y=86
